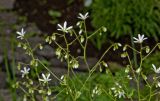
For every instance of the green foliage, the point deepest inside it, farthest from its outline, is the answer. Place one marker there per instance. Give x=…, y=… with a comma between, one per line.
x=126, y=17
x=54, y=14
x=40, y=68
x=99, y=39
x=104, y=81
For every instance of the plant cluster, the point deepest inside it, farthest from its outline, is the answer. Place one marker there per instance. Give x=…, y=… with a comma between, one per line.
x=129, y=83
x=125, y=18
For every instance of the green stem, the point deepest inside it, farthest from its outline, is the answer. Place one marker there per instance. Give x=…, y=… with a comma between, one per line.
x=151, y=51
x=134, y=54
x=85, y=47
x=67, y=46
x=48, y=69
x=138, y=83
x=94, y=67
x=150, y=93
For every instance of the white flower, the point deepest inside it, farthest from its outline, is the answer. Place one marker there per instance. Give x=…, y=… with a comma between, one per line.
x=45, y=78
x=118, y=91
x=83, y=17
x=120, y=94
x=21, y=34
x=96, y=91
x=140, y=39
x=25, y=71
x=156, y=70
x=64, y=28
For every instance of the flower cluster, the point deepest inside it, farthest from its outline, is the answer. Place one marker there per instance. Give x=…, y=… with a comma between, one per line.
x=157, y=71
x=96, y=91
x=74, y=64
x=118, y=91
x=81, y=36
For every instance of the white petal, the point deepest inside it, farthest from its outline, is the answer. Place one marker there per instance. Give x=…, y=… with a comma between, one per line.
x=135, y=38
x=136, y=41
x=139, y=36
x=41, y=79
x=144, y=38
x=25, y=69
x=158, y=70
x=49, y=79
x=69, y=28
x=44, y=77
x=22, y=71
x=28, y=69
x=154, y=67
x=48, y=76
x=60, y=26
x=86, y=15
x=65, y=25
x=80, y=14
x=79, y=17
x=59, y=29
x=18, y=33
x=22, y=31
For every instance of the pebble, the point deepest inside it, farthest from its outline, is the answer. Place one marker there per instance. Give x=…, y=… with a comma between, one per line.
x=7, y=4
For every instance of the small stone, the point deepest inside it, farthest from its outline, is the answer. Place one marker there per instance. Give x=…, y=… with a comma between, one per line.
x=91, y=62
x=47, y=52
x=57, y=63
x=7, y=4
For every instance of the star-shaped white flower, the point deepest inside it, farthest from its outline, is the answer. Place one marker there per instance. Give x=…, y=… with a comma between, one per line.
x=25, y=71
x=64, y=28
x=45, y=78
x=156, y=70
x=83, y=17
x=140, y=39
x=21, y=34
x=121, y=94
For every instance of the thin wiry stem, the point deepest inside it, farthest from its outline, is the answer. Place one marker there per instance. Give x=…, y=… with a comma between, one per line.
x=94, y=67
